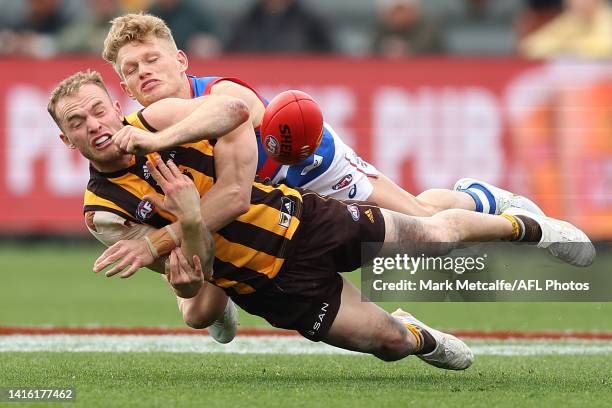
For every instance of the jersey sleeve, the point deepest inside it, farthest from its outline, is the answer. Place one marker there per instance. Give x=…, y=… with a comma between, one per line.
x=110, y=228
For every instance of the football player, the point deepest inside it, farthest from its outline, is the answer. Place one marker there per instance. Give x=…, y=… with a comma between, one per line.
x=141, y=49
x=284, y=271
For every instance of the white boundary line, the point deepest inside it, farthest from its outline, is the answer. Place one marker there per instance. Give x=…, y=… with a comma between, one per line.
x=267, y=345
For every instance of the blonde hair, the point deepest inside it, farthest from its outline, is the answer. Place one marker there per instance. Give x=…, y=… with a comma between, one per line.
x=70, y=86
x=134, y=27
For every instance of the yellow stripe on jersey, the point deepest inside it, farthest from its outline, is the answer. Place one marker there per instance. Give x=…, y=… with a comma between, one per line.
x=242, y=256
x=203, y=146
x=134, y=120
x=288, y=191
x=239, y=287
x=266, y=217
x=202, y=181
x=135, y=185
x=93, y=199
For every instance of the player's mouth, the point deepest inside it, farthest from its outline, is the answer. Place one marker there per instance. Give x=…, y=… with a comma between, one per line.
x=149, y=85
x=102, y=142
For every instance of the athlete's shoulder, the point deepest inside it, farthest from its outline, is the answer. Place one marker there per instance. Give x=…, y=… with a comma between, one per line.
x=201, y=85
x=138, y=120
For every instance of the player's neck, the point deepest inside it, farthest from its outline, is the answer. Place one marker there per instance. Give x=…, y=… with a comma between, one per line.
x=117, y=165
x=186, y=91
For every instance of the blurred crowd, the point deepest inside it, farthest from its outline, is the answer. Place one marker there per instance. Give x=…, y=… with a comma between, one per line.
x=388, y=28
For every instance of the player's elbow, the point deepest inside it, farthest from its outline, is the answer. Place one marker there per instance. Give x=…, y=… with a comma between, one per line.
x=240, y=201
x=243, y=203
x=238, y=109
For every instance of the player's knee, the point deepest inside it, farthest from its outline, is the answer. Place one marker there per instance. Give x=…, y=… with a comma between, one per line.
x=394, y=343
x=426, y=206
x=197, y=320
x=444, y=228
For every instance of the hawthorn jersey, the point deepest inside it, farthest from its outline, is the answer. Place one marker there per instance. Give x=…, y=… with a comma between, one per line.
x=334, y=169
x=249, y=251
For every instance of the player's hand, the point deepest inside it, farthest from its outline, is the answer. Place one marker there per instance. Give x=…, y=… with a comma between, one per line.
x=181, y=195
x=135, y=140
x=186, y=280
x=127, y=255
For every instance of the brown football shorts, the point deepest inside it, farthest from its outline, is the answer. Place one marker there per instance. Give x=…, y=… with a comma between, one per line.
x=305, y=295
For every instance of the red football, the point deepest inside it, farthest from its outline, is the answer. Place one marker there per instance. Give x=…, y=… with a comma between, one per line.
x=292, y=127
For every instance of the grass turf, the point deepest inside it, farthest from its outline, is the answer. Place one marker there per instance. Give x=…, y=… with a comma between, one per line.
x=164, y=379
x=51, y=284
x=54, y=285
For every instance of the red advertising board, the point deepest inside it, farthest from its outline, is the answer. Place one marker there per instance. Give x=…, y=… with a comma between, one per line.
x=541, y=129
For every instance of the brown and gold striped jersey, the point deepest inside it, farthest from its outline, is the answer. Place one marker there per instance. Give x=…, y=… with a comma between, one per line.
x=249, y=251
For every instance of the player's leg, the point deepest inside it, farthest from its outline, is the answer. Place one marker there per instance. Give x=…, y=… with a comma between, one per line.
x=349, y=177
x=450, y=227
x=365, y=327
x=212, y=309
x=387, y=194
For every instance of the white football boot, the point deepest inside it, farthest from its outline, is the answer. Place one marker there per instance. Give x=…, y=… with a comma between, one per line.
x=223, y=330
x=503, y=199
x=561, y=239
x=450, y=352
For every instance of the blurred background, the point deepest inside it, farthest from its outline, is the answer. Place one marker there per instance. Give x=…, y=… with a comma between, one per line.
x=516, y=92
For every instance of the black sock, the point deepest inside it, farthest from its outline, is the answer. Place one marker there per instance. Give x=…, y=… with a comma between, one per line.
x=429, y=343
x=530, y=229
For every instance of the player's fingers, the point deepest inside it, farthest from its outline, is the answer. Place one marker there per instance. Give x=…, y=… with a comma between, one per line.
x=157, y=176
x=122, y=138
x=118, y=268
x=131, y=271
x=173, y=265
x=197, y=265
x=163, y=169
x=174, y=169
x=183, y=261
x=107, y=258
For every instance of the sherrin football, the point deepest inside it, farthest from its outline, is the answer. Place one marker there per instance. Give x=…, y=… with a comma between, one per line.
x=292, y=127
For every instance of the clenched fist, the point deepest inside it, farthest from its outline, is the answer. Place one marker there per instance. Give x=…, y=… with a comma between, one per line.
x=135, y=140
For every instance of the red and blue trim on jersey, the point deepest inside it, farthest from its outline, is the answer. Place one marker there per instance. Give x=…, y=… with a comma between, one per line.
x=297, y=175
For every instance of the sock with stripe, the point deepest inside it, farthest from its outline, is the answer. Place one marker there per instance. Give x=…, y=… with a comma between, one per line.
x=425, y=343
x=484, y=200
x=524, y=229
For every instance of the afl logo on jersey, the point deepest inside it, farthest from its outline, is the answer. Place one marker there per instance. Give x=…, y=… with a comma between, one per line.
x=144, y=211
x=344, y=182
x=354, y=211
x=272, y=146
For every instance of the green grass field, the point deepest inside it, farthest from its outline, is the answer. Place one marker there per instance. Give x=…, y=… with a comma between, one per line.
x=54, y=285
x=195, y=380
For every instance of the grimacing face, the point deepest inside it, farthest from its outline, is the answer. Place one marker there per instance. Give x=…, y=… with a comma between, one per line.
x=151, y=70
x=88, y=120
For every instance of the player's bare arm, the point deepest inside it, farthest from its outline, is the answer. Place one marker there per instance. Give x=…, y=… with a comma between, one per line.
x=131, y=255
x=183, y=201
x=232, y=89
x=235, y=166
x=229, y=198
x=182, y=121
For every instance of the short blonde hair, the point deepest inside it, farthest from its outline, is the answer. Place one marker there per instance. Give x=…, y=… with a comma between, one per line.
x=70, y=86
x=134, y=27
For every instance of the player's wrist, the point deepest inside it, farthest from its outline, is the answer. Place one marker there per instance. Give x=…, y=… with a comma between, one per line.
x=161, y=242
x=191, y=221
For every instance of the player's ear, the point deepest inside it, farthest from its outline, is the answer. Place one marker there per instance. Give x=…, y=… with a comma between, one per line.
x=117, y=107
x=126, y=90
x=182, y=59
x=67, y=141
